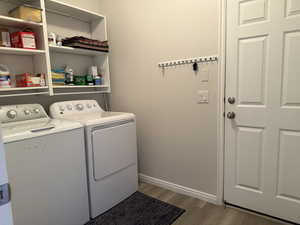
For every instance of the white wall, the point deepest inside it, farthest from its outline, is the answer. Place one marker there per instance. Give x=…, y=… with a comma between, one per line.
x=177, y=136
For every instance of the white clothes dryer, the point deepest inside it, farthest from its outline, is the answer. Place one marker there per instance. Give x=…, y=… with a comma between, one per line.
x=111, y=149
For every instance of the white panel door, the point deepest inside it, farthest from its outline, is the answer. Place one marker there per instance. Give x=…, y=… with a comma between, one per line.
x=262, y=158
x=5, y=208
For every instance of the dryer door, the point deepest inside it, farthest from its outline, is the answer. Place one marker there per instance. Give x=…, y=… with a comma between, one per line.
x=114, y=148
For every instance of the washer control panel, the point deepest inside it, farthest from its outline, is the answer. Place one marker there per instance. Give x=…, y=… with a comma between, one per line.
x=64, y=109
x=17, y=113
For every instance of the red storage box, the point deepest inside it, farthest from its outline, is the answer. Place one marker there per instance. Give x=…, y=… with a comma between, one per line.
x=25, y=80
x=23, y=40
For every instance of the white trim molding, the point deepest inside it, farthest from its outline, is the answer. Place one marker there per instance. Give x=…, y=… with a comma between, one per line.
x=221, y=104
x=179, y=188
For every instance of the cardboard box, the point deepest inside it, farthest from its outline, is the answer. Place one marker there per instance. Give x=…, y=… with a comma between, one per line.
x=23, y=40
x=27, y=12
x=27, y=80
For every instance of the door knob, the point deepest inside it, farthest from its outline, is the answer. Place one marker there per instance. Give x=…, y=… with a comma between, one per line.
x=231, y=100
x=231, y=115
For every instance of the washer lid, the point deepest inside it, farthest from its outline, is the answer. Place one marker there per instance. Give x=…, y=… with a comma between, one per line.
x=101, y=118
x=24, y=130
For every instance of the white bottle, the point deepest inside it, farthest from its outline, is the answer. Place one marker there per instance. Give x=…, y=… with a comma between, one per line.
x=52, y=38
x=69, y=75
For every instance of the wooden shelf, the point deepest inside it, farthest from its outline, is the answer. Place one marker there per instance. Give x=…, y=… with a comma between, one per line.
x=24, y=94
x=75, y=51
x=78, y=89
x=65, y=9
x=81, y=93
x=80, y=86
x=22, y=89
x=20, y=51
x=14, y=22
x=18, y=2
x=26, y=91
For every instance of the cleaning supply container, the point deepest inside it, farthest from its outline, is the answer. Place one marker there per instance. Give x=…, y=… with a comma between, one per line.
x=5, y=81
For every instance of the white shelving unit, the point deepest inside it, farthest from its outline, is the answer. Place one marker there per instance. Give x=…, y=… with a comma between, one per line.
x=22, y=89
x=72, y=11
x=81, y=86
x=21, y=51
x=13, y=22
x=67, y=21
x=76, y=51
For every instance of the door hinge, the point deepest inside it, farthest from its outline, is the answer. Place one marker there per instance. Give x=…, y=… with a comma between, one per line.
x=4, y=194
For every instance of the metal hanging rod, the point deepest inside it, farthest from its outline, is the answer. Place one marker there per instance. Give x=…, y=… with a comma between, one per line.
x=188, y=61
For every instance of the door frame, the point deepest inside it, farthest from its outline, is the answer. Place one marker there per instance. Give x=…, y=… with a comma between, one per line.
x=221, y=101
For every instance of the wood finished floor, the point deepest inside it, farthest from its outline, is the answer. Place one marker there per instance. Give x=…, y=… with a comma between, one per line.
x=199, y=212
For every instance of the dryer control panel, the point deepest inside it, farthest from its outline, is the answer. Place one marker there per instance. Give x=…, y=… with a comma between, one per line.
x=18, y=113
x=68, y=108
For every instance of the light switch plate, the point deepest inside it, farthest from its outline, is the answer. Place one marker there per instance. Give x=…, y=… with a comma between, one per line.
x=203, y=97
x=204, y=75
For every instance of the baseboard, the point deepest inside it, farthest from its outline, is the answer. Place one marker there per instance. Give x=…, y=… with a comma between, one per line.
x=179, y=188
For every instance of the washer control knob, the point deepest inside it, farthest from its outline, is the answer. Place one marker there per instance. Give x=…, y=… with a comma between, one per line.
x=69, y=107
x=89, y=106
x=79, y=107
x=27, y=112
x=61, y=108
x=36, y=110
x=11, y=114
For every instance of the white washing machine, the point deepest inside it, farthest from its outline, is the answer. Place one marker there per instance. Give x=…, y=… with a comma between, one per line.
x=111, y=148
x=46, y=167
